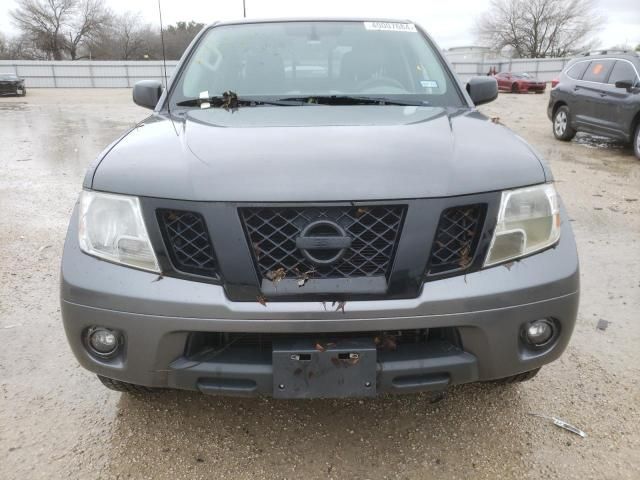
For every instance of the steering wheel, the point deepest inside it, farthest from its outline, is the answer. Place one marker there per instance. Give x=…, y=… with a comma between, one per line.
x=382, y=82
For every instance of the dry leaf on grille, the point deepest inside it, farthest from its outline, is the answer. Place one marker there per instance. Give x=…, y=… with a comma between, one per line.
x=276, y=275
x=465, y=258
x=256, y=250
x=302, y=277
x=386, y=342
x=389, y=342
x=361, y=211
x=262, y=300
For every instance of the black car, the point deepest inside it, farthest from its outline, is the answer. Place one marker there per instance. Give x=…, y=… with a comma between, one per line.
x=11, y=84
x=599, y=94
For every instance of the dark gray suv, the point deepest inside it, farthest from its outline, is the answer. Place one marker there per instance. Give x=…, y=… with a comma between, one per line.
x=599, y=94
x=315, y=208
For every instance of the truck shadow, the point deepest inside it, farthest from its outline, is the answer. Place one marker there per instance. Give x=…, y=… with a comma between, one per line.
x=351, y=438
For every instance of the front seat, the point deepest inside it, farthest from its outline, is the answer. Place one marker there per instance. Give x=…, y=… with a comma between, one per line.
x=358, y=65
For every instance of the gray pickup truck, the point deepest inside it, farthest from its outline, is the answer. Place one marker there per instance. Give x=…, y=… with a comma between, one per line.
x=315, y=208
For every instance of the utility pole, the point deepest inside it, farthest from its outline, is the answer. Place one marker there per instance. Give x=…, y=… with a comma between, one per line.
x=244, y=9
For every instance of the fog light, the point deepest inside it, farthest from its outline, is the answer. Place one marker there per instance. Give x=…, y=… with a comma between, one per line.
x=539, y=332
x=103, y=341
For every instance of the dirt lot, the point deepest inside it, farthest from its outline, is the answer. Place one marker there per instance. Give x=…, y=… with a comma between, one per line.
x=57, y=421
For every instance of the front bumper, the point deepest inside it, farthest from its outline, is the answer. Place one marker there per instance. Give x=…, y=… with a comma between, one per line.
x=156, y=317
x=11, y=89
x=532, y=88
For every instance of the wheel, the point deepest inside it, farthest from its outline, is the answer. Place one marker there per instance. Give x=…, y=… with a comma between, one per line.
x=24, y=93
x=514, y=88
x=520, y=377
x=119, y=386
x=561, y=128
x=636, y=142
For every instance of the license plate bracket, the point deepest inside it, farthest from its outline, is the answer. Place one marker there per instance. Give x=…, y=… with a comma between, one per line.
x=308, y=369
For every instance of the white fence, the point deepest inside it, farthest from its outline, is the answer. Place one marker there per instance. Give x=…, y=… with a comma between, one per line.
x=123, y=74
x=546, y=69
x=97, y=74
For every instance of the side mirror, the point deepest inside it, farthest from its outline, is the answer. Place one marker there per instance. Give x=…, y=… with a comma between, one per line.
x=482, y=89
x=146, y=93
x=626, y=84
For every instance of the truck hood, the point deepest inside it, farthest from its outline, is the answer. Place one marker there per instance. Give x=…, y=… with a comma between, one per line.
x=316, y=153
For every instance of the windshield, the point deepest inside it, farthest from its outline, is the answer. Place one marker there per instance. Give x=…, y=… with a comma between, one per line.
x=288, y=60
x=7, y=76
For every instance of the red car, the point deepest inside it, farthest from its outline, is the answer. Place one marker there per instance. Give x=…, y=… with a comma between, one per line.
x=519, y=83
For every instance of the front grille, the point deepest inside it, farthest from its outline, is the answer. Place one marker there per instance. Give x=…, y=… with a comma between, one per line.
x=374, y=233
x=188, y=243
x=456, y=239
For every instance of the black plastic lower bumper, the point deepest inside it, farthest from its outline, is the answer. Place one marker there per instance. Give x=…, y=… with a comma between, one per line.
x=306, y=369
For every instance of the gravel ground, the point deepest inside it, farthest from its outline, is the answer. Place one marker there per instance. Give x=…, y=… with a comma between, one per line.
x=57, y=421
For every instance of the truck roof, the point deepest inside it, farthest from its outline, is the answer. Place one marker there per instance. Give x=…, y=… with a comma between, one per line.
x=311, y=19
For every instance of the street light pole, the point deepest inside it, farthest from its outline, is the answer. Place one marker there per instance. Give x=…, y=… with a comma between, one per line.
x=244, y=9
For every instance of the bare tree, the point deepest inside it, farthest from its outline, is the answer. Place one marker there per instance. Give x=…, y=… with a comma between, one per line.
x=44, y=21
x=90, y=18
x=20, y=47
x=132, y=37
x=77, y=29
x=127, y=38
x=540, y=28
x=178, y=37
x=60, y=26
x=4, y=47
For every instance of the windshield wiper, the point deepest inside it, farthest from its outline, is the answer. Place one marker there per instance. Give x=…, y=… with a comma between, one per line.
x=231, y=101
x=353, y=100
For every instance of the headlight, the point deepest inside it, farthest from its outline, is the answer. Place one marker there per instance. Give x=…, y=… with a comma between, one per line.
x=528, y=221
x=111, y=227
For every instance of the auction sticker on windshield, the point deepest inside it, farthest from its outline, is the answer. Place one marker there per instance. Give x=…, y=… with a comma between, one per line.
x=393, y=27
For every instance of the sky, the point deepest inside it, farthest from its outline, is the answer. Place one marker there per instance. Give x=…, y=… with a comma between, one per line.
x=451, y=23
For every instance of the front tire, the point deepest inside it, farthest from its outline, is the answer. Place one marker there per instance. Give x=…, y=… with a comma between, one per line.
x=125, y=387
x=561, y=128
x=514, y=88
x=636, y=142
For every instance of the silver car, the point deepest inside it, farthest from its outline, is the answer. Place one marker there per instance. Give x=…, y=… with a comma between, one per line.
x=315, y=208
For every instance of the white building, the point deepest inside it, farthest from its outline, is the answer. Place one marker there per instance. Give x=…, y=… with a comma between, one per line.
x=473, y=54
